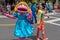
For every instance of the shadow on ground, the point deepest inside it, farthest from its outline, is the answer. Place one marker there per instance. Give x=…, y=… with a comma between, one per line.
x=32, y=38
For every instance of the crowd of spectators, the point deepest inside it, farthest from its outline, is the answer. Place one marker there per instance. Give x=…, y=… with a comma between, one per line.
x=49, y=6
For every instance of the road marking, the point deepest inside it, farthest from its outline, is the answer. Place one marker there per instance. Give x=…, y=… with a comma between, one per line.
x=50, y=17
x=3, y=16
x=7, y=24
x=54, y=20
x=50, y=13
x=53, y=23
x=49, y=21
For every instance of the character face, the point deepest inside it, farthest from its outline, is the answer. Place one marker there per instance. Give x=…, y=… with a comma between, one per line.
x=22, y=8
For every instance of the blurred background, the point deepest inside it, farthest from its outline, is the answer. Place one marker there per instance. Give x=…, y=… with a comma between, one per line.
x=8, y=5
x=52, y=24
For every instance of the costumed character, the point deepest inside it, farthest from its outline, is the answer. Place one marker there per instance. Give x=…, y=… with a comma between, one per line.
x=23, y=28
x=33, y=8
x=40, y=23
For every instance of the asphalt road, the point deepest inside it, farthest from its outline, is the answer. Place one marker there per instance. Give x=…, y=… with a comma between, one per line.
x=52, y=28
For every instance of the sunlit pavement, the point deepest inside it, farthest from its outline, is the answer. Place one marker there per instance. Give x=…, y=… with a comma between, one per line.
x=52, y=28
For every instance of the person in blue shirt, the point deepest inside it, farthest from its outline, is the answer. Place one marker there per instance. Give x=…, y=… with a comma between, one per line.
x=49, y=6
x=33, y=8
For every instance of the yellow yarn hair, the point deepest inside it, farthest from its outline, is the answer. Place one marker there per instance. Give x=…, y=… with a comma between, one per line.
x=15, y=9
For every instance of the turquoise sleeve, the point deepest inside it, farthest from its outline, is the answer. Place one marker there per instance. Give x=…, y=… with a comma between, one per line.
x=15, y=14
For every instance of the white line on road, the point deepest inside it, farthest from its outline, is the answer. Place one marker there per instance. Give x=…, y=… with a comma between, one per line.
x=53, y=23
x=50, y=13
x=3, y=16
x=54, y=20
x=50, y=17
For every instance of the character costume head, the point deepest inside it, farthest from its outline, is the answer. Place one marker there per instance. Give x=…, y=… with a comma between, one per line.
x=22, y=7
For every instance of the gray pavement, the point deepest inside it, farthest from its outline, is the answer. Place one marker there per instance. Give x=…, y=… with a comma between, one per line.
x=52, y=28
x=7, y=21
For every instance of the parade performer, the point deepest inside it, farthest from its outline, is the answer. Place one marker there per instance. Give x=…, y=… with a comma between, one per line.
x=40, y=23
x=33, y=8
x=23, y=28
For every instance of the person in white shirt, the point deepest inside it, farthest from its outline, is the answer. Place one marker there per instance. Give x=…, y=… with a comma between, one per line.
x=8, y=7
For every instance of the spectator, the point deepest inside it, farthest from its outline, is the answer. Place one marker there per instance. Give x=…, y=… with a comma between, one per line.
x=50, y=6
x=12, y=6
x=1, y=8
x=33, y=8
x=8, y=7
x=38, y=3
x=56, y=5
x=47, y=5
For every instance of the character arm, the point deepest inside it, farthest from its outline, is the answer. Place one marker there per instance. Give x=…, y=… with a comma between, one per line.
x=45, y=15
x=10, y=16
x=30, y=15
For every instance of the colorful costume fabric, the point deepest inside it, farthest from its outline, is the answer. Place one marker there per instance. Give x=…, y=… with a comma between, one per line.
x=40, y=24
x=23, y=28
x=40, y=19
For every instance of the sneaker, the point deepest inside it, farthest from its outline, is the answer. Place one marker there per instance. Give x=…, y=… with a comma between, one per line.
x=38, y=38
x=45, y=39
